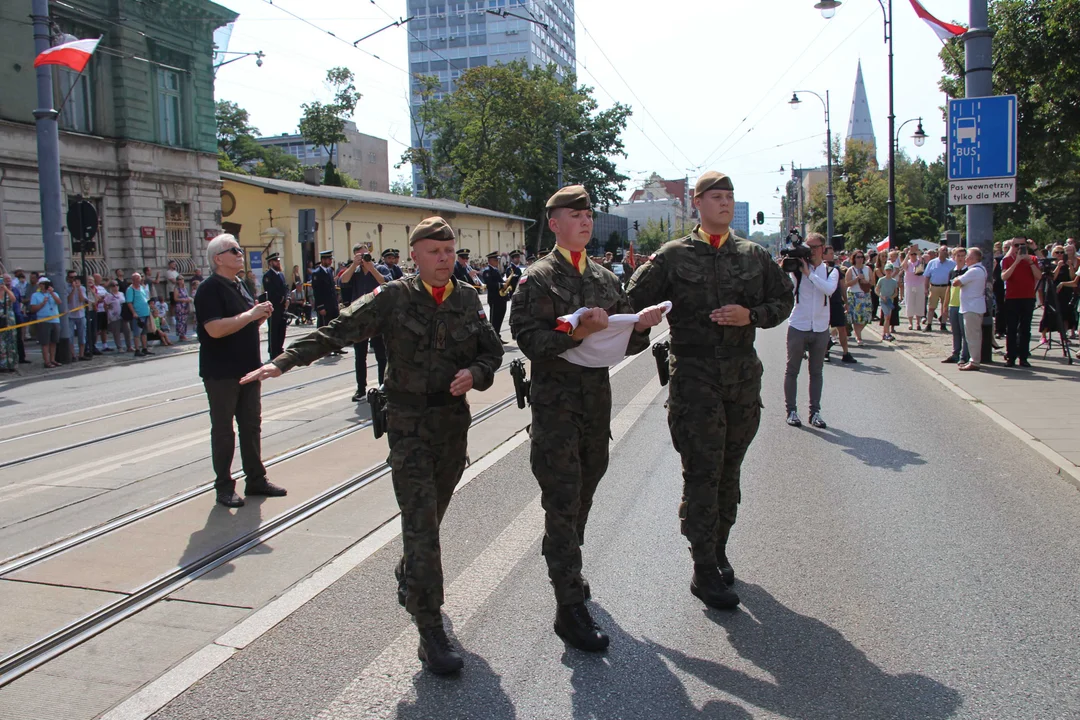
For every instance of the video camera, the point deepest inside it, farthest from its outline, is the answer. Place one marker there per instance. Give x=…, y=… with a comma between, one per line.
x=793, y=251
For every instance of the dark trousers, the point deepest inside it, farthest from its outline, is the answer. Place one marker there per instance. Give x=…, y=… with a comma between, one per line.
x=497, y=308
x=229, y=399
x=91, y=332
x=331, y=313
x=20, y=345
x=275, y=336
x=360, y=350
x=1018, y=313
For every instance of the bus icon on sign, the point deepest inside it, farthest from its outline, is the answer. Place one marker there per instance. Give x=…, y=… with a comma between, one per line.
x=965, y=130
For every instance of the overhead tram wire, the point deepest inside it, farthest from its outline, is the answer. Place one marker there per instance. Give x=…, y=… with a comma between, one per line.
x=765, y=96
x=414, y=37
x=800, y=82
x=641, y=102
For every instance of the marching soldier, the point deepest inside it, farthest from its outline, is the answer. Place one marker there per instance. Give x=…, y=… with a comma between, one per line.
x=722, y=287
x=439, y=347
x=493, y=281
x=277, y=293
x=571, y=404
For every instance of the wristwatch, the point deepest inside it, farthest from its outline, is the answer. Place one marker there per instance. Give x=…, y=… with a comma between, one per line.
x=753, y=317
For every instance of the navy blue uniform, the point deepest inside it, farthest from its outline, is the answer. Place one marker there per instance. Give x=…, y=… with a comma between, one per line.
x=493, y=281
x=325, y=292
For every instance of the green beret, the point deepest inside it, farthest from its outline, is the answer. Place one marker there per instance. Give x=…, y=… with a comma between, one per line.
x=432, y=228
x=574, y=197
x=713, y=180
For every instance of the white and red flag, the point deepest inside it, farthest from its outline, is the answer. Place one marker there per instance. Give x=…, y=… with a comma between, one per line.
x=74, y=55
x=944, y=30
x=883, y=245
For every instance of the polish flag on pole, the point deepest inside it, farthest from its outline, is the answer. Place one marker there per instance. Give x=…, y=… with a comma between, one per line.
x=74, y=55
x=944, y=30
x=883, y=245
x=630, y=259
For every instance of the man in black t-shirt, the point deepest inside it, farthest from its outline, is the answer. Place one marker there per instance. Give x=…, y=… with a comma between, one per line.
x=227, y=321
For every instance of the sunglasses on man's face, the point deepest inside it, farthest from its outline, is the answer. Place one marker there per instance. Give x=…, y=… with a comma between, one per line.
x=233, y=250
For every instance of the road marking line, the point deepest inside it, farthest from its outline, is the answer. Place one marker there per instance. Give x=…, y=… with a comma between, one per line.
x=376, y=692
x=173, y=683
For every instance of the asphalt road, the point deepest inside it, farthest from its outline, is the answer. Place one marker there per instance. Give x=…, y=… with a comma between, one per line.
x=912, y=561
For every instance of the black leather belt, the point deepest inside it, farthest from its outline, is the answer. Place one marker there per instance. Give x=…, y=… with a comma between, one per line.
x=939, y=284
x=690, y=350
x=422, y=401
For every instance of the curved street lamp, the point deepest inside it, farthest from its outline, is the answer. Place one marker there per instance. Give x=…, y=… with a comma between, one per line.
x=919, y=136
x=794, y=102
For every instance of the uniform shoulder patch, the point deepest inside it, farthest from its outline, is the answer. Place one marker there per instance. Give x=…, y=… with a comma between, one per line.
x=652, y=257
x=523, y=278
x=480, y=312
x=376, y=291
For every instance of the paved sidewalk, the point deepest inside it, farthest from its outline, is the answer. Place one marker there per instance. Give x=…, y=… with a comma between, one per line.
x=1038, y=402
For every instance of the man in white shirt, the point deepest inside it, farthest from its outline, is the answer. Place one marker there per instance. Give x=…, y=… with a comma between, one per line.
x=808, y=329
x=972, y=286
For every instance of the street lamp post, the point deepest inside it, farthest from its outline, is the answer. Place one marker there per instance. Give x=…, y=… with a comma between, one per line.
x=828, y=9
x=829, y=197
x=919, y=136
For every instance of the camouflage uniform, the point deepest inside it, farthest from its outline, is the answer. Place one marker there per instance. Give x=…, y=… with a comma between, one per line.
x=426, y=345
x=571, y=405
x=714, y=405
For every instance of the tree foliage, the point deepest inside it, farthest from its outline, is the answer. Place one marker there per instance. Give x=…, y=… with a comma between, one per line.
x=323, y=124
x=1036, y=56
x=401, y=186
x=495, y=142
x=235, y=134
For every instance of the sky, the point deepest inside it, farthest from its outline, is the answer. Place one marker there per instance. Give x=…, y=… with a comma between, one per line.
x=708, y=82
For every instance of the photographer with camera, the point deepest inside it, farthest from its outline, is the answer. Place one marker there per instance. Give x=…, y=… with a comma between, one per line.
x=361, y=277
x=808, y=325
x=1021, y=274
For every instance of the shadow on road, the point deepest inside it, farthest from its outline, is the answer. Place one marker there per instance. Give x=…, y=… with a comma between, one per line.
x=222, y=526
x=632, y=681
x=872, y=451
x=815, y=672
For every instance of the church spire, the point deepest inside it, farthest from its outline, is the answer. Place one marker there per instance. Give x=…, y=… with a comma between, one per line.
x=860, y=126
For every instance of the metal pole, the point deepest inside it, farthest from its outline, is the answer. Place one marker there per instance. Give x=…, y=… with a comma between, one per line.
x=829, y=198
x=558, y=144
x=892, y=133
x=48, y=150
x=82, y=229
x=978, y=82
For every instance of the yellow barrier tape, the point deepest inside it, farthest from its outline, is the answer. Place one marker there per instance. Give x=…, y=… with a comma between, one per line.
x=41, y=320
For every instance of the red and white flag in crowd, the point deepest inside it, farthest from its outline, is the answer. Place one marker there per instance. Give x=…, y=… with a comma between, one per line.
x=944, y=30
x=630, y=259
x=74, y=55
x=883, y=245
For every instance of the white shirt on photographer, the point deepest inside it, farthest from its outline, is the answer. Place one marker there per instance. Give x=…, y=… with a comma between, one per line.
x=811, y=312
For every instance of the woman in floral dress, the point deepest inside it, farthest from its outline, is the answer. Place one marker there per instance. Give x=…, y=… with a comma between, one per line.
x=181, y=306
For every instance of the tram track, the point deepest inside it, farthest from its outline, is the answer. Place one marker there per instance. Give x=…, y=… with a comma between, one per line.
x=140, y=428
x=56, y=643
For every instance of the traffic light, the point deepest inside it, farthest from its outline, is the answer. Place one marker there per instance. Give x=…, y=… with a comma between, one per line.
x=635, y=226
x=760, y=218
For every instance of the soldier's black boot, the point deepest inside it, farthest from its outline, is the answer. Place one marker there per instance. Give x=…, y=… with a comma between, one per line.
x=438, y=652
x=574, y=625
x=399, y=573
x=585, y=588
x=709, y=586
x=726, y=571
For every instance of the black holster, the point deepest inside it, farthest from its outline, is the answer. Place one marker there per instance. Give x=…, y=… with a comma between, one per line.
x=377, y=402
x=522, y=386
x=660, y=353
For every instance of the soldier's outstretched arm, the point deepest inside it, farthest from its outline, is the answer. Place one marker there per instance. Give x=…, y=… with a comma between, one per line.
x=532, y=321
x=779, y=293
x=489, y=357
x=359, y=321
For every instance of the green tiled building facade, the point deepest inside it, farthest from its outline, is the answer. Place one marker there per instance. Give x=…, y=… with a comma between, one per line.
x=137, y=133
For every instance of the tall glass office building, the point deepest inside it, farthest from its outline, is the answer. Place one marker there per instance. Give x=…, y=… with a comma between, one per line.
x=447, y=38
